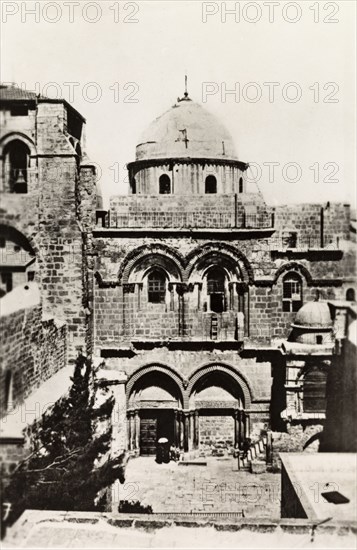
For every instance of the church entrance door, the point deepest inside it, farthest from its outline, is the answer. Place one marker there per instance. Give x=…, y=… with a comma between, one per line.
x=155, y=424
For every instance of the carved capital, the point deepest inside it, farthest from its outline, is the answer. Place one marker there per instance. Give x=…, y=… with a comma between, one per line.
x=241, y=287
x=128, y=288
x=181, y=288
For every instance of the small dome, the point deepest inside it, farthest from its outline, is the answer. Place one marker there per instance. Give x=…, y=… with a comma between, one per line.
x=314, y=315
x=186, y=130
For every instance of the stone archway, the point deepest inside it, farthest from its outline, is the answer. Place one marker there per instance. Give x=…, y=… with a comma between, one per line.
x=154, y=409
x=220, y=400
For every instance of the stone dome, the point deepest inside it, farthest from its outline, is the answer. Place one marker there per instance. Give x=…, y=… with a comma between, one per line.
x=313, y=315
x=187, y=130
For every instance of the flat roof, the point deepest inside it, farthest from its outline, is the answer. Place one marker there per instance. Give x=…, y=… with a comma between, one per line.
x=315, y=474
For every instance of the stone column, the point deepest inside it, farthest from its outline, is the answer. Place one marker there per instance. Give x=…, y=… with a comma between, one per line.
x=199, y=290
x=192, y=431
x=130, y=428
x=233, y=301
x=236, y=428
x=181, y=289
x=175, y=428
x=182, y=436
x=139, y=288
x=137, y=430
x=186, y=430
x=240, y=428
x=196, y=439
x=240, y=300
x=172, y=298
x=247, y=426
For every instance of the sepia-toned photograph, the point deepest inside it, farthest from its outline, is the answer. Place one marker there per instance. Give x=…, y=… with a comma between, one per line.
x=178, y=274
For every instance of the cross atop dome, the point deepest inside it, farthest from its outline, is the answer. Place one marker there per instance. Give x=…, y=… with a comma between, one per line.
x=185, y=95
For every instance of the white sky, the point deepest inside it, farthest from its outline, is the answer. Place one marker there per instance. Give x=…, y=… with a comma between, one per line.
x=170, y=39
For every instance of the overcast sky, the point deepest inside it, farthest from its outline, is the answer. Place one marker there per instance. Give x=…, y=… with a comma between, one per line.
x=137, y=54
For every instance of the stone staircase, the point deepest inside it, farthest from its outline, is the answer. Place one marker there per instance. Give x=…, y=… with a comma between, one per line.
x=255, y=459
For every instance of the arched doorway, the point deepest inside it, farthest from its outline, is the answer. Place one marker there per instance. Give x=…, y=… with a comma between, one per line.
x=221, y=419
x=154, y=411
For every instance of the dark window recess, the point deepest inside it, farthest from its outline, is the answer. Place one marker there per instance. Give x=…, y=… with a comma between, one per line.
x=156, y=287
x=164, y=185
x=350, y=295
x=216, y=289
x=319, y=339
x=74, y=124
x=2, y=242
x=240, y=185
x=30, y=276
x=210, y=185
x=17, y=156
x=314, y=391
x=133, y=186
x=292, y=293
x=6, y=279
x=19, y=110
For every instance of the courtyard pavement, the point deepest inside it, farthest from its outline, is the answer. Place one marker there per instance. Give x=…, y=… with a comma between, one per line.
x=217, y=488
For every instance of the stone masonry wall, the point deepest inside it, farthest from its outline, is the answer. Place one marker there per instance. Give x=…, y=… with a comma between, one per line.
x=206, y=211
x=129, y=315
x=305, y=219
x=55, y=215
x=33, y=350
x=216, y=433
x=299, y=438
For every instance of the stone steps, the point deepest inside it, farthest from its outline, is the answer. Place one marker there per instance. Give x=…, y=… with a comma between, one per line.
x=255, y=461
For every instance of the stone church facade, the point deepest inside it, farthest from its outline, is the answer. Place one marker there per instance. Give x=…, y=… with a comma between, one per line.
x=208, y=311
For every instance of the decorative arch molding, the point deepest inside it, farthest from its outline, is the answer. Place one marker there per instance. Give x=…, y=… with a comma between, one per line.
x=8, y=138
x=27, y=242
x=134, y=257
x=225, y=250
x=235, y=374
x=294, y=267
x=155, y=367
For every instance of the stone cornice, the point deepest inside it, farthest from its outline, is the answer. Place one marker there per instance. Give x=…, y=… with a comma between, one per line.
x=147, y=163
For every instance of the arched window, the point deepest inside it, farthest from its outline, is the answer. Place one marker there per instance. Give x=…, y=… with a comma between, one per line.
x=211, y=185
x=240, y=185
x=350, y=295
x=292, y=292
x=164, y=185
x=216, y=279
x=314, y=390
x=156, y=286
x=16, y=159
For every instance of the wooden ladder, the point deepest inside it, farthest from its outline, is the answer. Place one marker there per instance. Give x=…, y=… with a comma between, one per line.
x=214, y=327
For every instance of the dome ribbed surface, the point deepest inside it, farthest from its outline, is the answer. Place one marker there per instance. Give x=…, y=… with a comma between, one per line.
x=186, y=130
x=313, y=315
